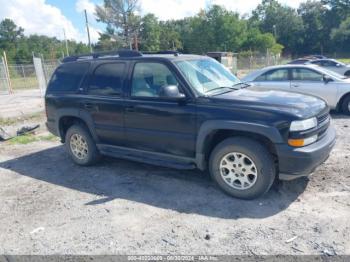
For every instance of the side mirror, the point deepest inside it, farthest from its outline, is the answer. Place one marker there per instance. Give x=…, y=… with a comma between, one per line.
x=327, y=79
x=171, y=92
x=338, y=65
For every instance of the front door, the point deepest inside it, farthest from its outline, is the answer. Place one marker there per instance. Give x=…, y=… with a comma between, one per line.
x=310, y=82
x=156, y=124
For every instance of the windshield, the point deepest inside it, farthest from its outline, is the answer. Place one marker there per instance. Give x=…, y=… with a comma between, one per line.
x=207, y=75
x=333, y=74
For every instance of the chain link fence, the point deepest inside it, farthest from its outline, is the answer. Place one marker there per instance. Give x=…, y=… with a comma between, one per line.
x=249, y=63
x=24, y=77
x=4, y=87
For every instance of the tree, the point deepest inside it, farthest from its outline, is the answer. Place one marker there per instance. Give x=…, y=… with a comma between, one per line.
x=119, y=15
x=215, y=29
x=107, y=43
x=282, y=21
x=261, y=42
x=10, y=34
x=150, y=33
x=341, y=35
x=315, y=35
x=170, y=38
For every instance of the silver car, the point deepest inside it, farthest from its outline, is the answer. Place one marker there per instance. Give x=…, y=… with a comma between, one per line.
x=333, y=65
x=306, y=79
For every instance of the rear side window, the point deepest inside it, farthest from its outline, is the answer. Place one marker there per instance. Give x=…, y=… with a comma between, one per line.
x=274, y=75
x=67, y=77
x=107, y=80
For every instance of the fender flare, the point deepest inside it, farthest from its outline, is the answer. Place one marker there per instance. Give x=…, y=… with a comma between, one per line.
x=77, y=113
x=210, y=126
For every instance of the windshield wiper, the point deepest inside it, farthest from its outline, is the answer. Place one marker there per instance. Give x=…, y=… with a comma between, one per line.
x=244, y=85
x=218, y=88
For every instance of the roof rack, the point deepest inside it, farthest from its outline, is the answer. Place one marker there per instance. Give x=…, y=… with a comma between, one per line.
x=166, y=52
x=119, y=53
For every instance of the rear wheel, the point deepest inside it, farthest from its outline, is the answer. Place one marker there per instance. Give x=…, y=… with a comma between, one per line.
x=346, y=105
x=242, y=167
x=347, y=73
x=80, y=146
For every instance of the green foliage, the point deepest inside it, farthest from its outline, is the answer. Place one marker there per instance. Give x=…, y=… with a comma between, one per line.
x=150, y=33
x=121, y=18
x=282, y=21
x=341, y=35
x=315, y=27
x=20, y=48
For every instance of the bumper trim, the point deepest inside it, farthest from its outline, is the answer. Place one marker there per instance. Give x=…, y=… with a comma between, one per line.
x=298, y=162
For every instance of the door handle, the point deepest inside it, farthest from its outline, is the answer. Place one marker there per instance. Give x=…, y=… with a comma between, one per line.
x=89, y=106
x=130, y=109
x=295, y=85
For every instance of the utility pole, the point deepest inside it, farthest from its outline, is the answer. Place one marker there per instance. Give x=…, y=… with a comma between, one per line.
x=88, y=29
x=275, y=31
x=65, y=39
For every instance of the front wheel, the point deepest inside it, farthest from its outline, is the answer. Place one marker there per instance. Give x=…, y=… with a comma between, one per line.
x=243, y=168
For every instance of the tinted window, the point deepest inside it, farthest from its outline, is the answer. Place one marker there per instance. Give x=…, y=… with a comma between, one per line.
x=274, y=75
x=148, y=78
x=107, y=80
x=329, y=63
x=301, y=74
x=319, y=63
x=68, y=77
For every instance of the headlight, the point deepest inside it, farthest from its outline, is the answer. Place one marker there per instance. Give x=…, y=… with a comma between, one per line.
x=303, y=124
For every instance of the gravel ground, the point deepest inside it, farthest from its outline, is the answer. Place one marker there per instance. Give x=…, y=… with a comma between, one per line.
x=50, y=206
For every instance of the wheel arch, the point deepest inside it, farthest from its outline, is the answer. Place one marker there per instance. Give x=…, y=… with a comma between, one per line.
x=341, y=100
x=213, y=132
x=68, y=117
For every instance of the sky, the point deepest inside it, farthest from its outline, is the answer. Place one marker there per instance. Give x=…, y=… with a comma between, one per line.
x=54, y=17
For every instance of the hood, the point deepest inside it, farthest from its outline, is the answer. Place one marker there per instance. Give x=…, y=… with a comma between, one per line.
x=302, y=106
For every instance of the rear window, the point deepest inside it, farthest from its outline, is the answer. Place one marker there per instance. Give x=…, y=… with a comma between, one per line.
x=107, y=80
x=67, y=77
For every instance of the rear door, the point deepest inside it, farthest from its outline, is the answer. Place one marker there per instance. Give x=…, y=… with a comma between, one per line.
x=275, y=79
x=153, y=123
x=309, y=81
x=103, y=101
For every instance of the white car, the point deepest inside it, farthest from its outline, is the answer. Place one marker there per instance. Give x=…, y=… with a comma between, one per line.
x=306, y=79
x=333, y=65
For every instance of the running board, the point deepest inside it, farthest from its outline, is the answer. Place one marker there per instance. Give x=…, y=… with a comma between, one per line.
x=157, y=159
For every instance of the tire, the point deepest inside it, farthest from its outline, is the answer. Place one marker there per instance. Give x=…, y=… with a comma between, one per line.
x=253, y=154
x=347, y=73
x=89, y=154
x=345, y=106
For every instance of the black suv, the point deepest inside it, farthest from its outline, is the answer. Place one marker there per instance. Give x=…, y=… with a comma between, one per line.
x=186, y=112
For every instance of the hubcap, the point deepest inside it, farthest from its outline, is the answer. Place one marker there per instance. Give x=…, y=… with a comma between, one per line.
x=238, y=171
x=78, y=146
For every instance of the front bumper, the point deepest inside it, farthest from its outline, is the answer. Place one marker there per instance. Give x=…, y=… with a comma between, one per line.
x=298, y=162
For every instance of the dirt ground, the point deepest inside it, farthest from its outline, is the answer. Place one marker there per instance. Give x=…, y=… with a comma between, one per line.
x=51, y=206
x=22, y=102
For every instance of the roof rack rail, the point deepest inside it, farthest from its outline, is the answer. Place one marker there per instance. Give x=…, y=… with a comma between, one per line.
x=166, y=52
x=119, y=53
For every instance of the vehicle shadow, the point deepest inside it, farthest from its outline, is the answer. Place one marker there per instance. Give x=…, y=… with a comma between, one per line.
x=337, y=115
x=181, y=191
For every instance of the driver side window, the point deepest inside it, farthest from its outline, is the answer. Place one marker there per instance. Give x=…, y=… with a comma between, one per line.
x=149, y=78
x=301, y=74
